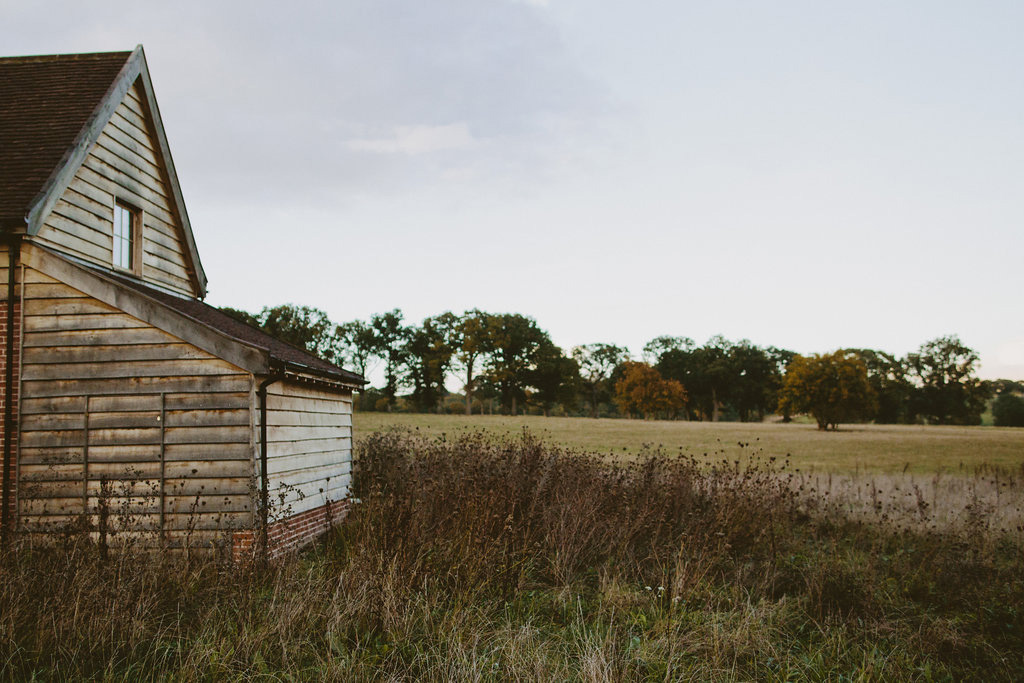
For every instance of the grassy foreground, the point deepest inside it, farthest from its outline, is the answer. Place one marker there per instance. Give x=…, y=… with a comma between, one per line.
x=478, y=558
x=852, y=449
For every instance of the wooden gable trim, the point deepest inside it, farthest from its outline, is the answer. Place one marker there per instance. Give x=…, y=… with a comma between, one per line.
x=134, y=69
x=136, y=304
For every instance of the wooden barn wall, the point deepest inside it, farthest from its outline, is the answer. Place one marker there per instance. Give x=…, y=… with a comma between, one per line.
x=124, y=164
x=309, y=448
x=108, y=398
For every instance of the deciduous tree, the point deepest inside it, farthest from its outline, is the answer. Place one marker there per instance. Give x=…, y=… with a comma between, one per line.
x=391, y=347
x=643, y=390
x=596, y=363
x=429, y=359
x=948, y=391
x=511, y=342
x=833, y=388
x=302, y=326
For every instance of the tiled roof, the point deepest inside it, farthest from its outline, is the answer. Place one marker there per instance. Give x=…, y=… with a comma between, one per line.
x=294, y=357
x=45, y=102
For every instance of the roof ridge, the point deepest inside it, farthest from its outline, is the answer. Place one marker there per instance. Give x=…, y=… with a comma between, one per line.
x=70, y=56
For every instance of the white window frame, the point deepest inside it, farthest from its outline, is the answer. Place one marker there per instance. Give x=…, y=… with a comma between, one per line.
x=125, y=252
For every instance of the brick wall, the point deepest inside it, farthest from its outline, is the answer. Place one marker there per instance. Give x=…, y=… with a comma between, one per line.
x=293, y=533
x=16, y=332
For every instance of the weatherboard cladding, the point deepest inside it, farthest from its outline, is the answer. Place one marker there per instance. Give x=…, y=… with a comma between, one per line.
x=45, y=102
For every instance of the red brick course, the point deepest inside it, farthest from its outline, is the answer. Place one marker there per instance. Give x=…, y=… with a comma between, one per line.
x=290, y=534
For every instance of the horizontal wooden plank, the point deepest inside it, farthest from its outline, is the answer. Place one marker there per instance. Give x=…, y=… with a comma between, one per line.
x=122, y=420
x=33, y=276
x=118, y=369
x=171, y=255
x=52, y=421
x=85, y=223
x=124, y=453
x=55, y=235
x=156, y=232
x=286, y=463
x=63, y=438
x=311, y=446
x=142, y=149
x=168, y=267
x=132, y=124
x=209, y=401
x=91, y=337
x=123, y=437
x=128, y=165
x=208, y=418
x=279, y=434
x=40, y=290
x=209, y=451
x=114, y=352
x=207, y=435
x=146, y=521
x=38, y=321
x=135, y=187
x=307, y=405
x=93, y=201
x=57, y=404
x=150, y=470
x=294, y=500
x=309, y=471
x=292, y=418
x=187, y=505
x=144, y=489
x=50, y=455
x=68, y=306
x=108, y=179
x=126, y=385
x=97, y=195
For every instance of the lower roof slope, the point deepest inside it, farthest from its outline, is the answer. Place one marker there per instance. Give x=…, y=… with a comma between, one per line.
x=291, y=357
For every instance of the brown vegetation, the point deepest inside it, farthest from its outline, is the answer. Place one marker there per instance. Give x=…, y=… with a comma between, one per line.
x=510, y=559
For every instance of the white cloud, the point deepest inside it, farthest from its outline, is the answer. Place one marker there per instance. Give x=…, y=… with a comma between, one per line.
x=418, y=140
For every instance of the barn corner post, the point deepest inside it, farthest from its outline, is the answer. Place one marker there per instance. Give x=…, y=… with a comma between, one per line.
x=10, y=427
x=264, y=520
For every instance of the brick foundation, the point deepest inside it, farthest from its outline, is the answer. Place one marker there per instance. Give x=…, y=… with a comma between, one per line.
x=16, y=368
x=290, y=534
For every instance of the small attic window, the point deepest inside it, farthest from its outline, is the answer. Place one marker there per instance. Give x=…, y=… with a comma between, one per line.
x=126, y=221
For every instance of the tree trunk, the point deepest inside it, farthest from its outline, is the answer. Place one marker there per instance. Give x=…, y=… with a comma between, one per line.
x=714, y=405
x=513, y=404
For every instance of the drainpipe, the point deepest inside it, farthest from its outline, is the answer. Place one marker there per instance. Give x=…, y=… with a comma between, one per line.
x=264, y=485
x=13, y=254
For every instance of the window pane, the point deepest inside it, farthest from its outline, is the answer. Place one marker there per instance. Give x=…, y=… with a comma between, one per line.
x=124, y=233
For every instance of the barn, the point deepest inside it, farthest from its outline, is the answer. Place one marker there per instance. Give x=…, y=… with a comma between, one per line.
x=130, y=408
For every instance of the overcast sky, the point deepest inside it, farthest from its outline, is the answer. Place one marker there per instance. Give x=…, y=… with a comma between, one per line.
x=809, y=175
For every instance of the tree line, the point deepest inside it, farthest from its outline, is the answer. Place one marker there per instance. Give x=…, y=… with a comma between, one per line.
x=505, y=362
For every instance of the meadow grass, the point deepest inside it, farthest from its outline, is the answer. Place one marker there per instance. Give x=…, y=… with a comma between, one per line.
x=867, y=448
x=486, y=558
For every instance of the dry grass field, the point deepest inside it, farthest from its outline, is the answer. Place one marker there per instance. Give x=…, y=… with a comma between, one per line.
x=851, y=450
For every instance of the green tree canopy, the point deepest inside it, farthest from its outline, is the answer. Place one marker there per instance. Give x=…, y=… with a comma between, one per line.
x=948, y=391
x=597, y=362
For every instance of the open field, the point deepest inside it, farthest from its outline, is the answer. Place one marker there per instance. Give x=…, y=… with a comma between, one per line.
x=852, y=449
x=488, y=559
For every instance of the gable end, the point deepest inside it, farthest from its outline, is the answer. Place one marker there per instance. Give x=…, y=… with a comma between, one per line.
x=134, y=70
